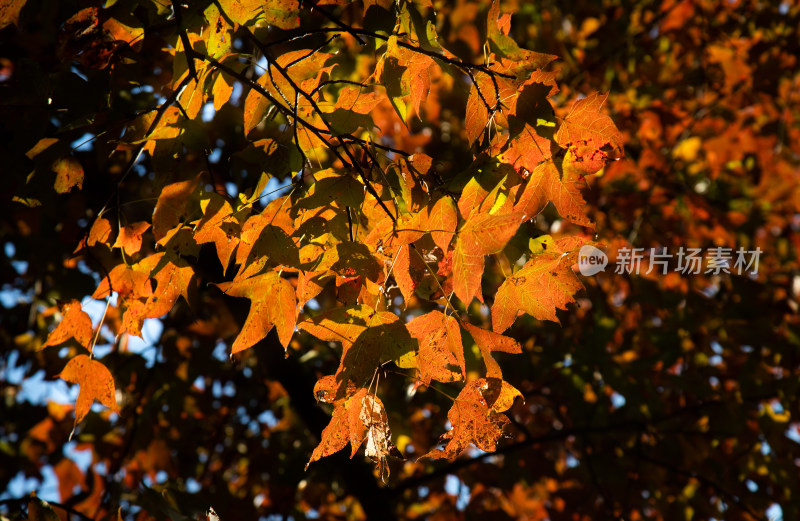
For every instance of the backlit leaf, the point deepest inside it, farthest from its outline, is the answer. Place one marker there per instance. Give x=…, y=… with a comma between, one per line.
x=586, y=121
x=442, y=222
x=171, y=206
x=272, y=304
x=489, y=342
x=546, y=184
x=9, y=12
x=544, y=284
x=100, y=232
x=69, y=174
x=481, y=235
x=476, y=418
x=130, y=237
x=96, y=383
x=441, y=353
x=218, y=225
x=76, y=324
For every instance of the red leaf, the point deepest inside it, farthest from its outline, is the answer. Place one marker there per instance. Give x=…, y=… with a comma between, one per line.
x=357, y=418
x=527, y=149
x=547, y=184
x=408, y=271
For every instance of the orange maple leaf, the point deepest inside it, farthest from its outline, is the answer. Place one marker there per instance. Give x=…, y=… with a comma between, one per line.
x=476, y=417
x=171, y=206
x=544, y=284
x=96, y=383
x=585, y=121
x=489, y=342
x=546, y=184
x=273, y=304
x=440, y=347
x=481, y=235
x=76, y=324
x=130, y=237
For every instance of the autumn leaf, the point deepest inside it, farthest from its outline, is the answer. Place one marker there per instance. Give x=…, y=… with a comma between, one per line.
x=340, y=324
x=586, y=122
x=336, y=435
x=69, y=477
x=481, y=235
x=100, y=232
x=358, y=418
x=489, y=342
x=272, y=304
x=442, y=222
x=373, y=420
x=280, y=13
x=544, y=284
x=126, y=281
x=69, y=174
x=527, y=150
x=350, y=259
x=174, y=277
x=96, y=383
x=487, y=93
x=171, y=206
x=546, y=183
x=440, y=349
x=476, y=417
x=256, y=107
x=9, y=12
x=408, y=270
x=584, y=158
x=265, y=237
x=385, y=338
x=75, y=323
x=130, y=237
x=218, y=225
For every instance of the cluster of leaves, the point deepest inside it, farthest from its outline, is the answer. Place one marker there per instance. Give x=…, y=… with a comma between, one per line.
x=385, y=164
x=360, y=215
